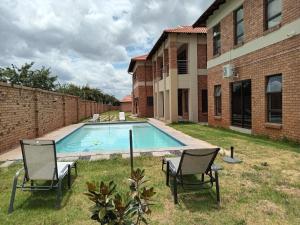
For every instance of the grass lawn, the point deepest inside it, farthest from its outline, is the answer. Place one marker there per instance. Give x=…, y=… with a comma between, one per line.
x=115, y=114
x=264, y=189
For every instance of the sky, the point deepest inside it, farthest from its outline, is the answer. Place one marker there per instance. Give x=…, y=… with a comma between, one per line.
x=88, y=41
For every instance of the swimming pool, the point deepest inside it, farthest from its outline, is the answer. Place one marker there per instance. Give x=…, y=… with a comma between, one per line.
x=114, y=138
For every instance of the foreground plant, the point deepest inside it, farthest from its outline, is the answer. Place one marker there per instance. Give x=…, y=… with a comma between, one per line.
x=111, y=208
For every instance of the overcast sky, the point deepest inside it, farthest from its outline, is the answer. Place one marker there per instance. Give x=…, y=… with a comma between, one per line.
x=88, y=41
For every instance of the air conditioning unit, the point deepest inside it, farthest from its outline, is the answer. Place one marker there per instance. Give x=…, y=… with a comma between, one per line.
x=228, y=71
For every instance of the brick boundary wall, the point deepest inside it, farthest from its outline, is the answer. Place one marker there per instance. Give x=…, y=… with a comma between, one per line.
x=30, y=113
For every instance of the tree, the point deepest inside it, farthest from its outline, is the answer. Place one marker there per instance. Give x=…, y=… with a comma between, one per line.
x=26, y=76
x=88, y=93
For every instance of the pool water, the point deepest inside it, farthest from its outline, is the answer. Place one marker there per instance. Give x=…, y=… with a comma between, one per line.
x=112, y=138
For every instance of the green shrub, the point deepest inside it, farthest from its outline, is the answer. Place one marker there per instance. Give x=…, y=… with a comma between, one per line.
x=113, y=209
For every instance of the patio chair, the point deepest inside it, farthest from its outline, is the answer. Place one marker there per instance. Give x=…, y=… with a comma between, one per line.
x=95, y=118
x=122, y=116
x=40, y=164
x=193, y=162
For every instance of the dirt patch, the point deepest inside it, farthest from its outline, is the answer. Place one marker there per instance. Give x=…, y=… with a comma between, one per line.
x=270, y=208
x=295, y=192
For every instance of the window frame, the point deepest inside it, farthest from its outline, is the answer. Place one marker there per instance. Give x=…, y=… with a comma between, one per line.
x=269, y=96
x=216, y=49
x=204, y=100
x=236, y=23
x=150, y=102
x=267, y=19
x=218, y=101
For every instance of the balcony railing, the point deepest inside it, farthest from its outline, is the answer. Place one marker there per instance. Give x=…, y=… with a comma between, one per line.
x=182, y=66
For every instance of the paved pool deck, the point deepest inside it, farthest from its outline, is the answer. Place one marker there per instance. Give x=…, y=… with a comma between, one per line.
x=190, y=143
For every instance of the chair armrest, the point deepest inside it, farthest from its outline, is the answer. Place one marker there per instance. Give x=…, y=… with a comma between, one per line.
x=215, y=167
x=18, y=172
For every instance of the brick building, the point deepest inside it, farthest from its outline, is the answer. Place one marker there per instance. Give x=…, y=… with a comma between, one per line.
x=179, y=75
x=126, y=104
x=253, y=53
x=142, y=88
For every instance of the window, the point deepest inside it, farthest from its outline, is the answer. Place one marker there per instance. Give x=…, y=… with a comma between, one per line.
x=150, y=101
x=274, y=98
x=273, y=13
x=216, y=40
x=239, y=25
x=204, y=101
x=218, y=100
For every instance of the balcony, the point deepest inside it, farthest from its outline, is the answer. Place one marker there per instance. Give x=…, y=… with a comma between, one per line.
x=182, y=66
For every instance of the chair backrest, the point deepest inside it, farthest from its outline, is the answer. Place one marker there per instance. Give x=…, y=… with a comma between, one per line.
x=121, y=116
x=95, y=117
x=39, y=158
x=197, y=161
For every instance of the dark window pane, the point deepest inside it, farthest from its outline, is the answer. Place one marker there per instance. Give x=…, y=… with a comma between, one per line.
x=218, y=100
x=239, y=14
x=274, y=8
x=274, y=98
x=240, y=29
x=150, y=101
x=239, y=25
x=274, y=84
x=217, y=90
x=204, y=101
x=216, y=39
x=275, y=21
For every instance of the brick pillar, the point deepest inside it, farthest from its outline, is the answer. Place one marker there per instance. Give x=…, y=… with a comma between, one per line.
x=64, y=109
x=78, y=109
x=36, y=113
x=173, y=93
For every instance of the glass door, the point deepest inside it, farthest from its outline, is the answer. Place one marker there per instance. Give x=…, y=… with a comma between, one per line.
x=241, y=104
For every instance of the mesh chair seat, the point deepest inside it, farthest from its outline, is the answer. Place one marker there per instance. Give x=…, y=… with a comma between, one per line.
x=40, y=163
x=174, y=163
x=192, y=162
x=62, y=168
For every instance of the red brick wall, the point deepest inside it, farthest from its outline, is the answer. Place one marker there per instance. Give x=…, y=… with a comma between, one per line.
x=17, y=115
x=143, y=75
x=201, y=56
x=29, y=113
x=253, y=23
x=71, y=112
x=125, y=106
x=49, y=106
x=281, y=58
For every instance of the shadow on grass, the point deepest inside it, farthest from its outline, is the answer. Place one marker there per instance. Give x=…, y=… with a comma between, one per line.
x=46, y=199
x=196, y=197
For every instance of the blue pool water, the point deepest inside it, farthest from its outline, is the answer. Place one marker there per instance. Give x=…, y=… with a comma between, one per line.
x=111, y=138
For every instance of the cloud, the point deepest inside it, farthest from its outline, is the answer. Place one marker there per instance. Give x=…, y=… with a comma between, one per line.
x=88, y=42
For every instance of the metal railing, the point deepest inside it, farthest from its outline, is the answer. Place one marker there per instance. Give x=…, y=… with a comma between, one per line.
x=182, y=66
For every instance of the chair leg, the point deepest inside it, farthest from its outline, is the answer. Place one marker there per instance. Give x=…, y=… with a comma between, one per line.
x=59, y=193
x=175, y=190
x=13, y=195
x=217, y=186
x=75, y=166
x=162, y=164
x=168, y=175
x=69, y=176
x=202, y=177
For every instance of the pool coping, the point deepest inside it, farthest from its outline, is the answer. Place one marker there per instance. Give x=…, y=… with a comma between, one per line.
x=57, y=135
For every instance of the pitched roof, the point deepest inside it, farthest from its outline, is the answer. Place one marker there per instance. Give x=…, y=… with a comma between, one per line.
x=127, y=98
x=139, y=58
x=187, y=30
x=179, y=29
x=209, y=11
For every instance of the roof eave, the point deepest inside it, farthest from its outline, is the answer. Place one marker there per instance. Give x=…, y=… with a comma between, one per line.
x=201, y=21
